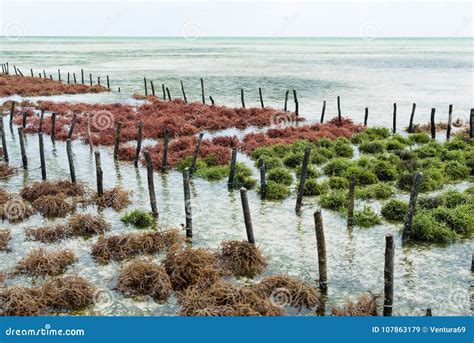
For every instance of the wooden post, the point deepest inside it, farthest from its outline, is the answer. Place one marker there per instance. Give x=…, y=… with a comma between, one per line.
x=4, y=141
x=59, y=75
x=433, y=124
x=73, y=124
x=184, y=93
x=23, y=121
x=40, y=128
x=471, y=124
x=151, y=183
x=323, y=111
x=90, y=79
x=74, y=77
x=44, y=73
x=68, y=77
x=203, y=96
x=164, y=91
x=296, y=103
x=89, y=135
x=388, y=275
x=212, y=100
x=24, y=159
x=299, y=198
x=50, y=76
x=247, y=218
x=187, y=204
x=233, y=160
x=429, y=313
x=261, y=97
x=450, y=121
x=263, y=179
x=411, y=207
x=12, y=112
x=82, y=76
x=99, y=174
x=53, y=125
x=139, y=143
x=98, y=80
x=42, y=159
x=164, y=161
x=366, y=116
x=31, y=72
x=192, y=168
x=285, y=107
x=117, y=139
x=350, y=202
x=168, y=92
x=146, y=86
x=70, y=159
x=394, y=127
x=339, y=114
x=472, y=263
x=242, y=97
x=321, y=244
x=412, y=115
x=108, y=82
x=152, y=88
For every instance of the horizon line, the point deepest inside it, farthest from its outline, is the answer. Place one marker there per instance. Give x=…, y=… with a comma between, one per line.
x=256, y=37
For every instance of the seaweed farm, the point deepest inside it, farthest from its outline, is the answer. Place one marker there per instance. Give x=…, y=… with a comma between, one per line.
x=158, y=204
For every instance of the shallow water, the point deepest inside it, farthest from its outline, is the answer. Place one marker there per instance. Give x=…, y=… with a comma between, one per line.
x=425, y=276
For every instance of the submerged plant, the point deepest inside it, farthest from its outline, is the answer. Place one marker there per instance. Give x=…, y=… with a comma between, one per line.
x=395, y=210
x=334, y=200
x=139, y=218
x=367, y=217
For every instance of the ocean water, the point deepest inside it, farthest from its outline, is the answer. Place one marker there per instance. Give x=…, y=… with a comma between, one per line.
x=376, y=73
x=431, y=72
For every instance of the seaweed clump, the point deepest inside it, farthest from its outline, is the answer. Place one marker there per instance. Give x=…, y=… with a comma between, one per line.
x=224, y=299
x=39, y=263
x=42, y=188
x=116, y=198
x=121, y=247
x=70, y=292
x=5, y=237
x=365, y=305
x=138, y=218
x=395, y=210
x=52, y=206
x=6, y=170
x=21, y=301
x=292, y=291
x=143, y=277
x=242, y=258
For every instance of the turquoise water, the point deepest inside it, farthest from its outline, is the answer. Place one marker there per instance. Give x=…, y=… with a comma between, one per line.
x=365, y=73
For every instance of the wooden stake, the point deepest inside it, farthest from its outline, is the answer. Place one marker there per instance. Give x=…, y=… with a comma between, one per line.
x=321, y=244
x=53, y=125
x=164, y=161
x=82, y=76
x=261, y=97
x=108, y=82
x=152, y=88
x=74, y=76
x=164, y=91
x=295, y=97
x=23, y=121
x=242, y=97
x=350, y=202
x=187, y=204
x=44, y=73
x=299, y=198
x=168, y=92
x=339, y=114
x=70, y=159
x=203, y=96
x=42, y=159
x=450, y=121
x=24, y=159
x=388, y=275
x=212, y=100
x=323, y=111
x=247, y=218
x=68, y=77
x=433, y=124
x=411, y=207
x=233, y=160
x=4, y=141
x=98, y=80
x=412, y=115
x=151, y=183
x=12, y=112
x=146, y=87
x=89, y=135
x=192, y=168
x=99, y=174
x=90, y=79
x=394, y=128
x=139, y=143
x=184, y=93
x=59, y=75
x=40, y=129
x=285, y=107
x=429, y=313
x=31, y=72
x=471, y=124
x=263, y=179
x=117, y=139
x=73, y=124
x=366, y=116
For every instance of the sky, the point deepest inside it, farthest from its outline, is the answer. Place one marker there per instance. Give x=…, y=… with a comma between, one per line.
x=370, y=19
